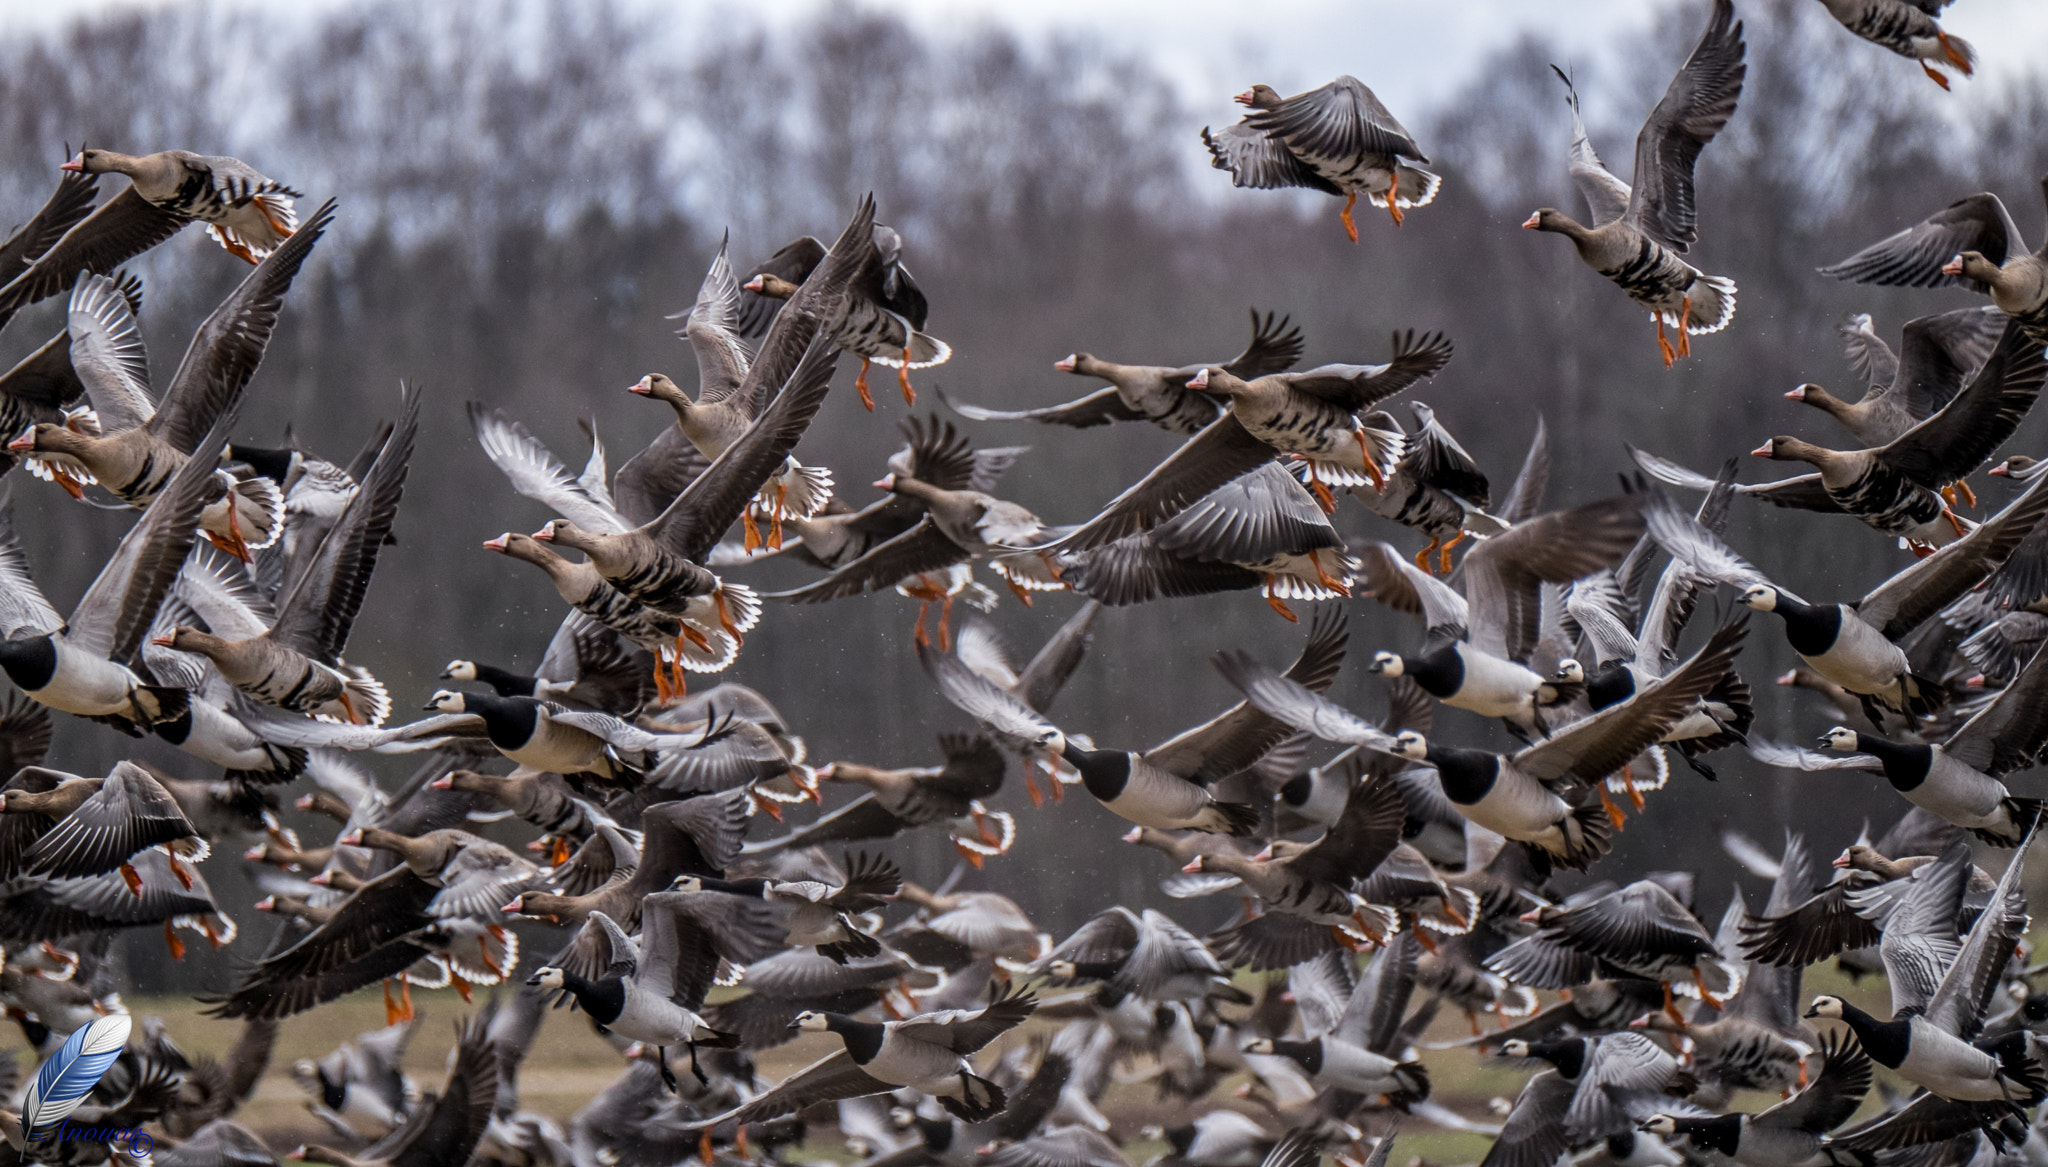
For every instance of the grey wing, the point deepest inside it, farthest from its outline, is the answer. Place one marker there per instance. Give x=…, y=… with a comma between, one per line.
x=922, y=548
x=1223, y=450
x=1047, y=672
x=1601, y=744
x=23, y=608
x=973, y=694
x=1620, y=1063
x=1260, y=160
x=482, y=878
x=1234, y=739
x=712, y=328
x=793, y=262
x=1958, y=1006
x=1359, y=387
x=1786, y=757
x=828, y=1079
x=1901, y=603
x=1803, y=492
x=1340, y=120
x=2009, y=733
x=1372, y=1017
x=125, y=226
x=1251, y=519
x=1914, y=257
x=1400, y=585
x=1609, y=633
x=1101, y=407
x=1299, y=707
x=1275, y=346
x=1699, y=101
x=1525, y=495
x=1534, y=1134
x=1503, y=574
x=652, y=478
x=69, y=203
x=1869, y=355
x=1938, y=354
x=1106, y=938
x=1962, y=434
x=1606, y=196
x=536, y=473
x=1689, y=542
x=1164, y=950
x=108, y=355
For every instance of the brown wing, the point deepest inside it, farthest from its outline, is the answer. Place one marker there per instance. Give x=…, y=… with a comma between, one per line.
x=70, y=202
x=1237, y=737
x=1221, y=452
x=125, y=227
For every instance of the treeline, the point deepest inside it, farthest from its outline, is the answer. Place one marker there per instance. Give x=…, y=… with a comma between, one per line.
x=529, y=188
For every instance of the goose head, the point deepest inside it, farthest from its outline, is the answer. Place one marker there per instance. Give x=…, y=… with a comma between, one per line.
x=1411, y=745
x=446, y=701
x=185, y=638
x=1076, y=363
x=1386, y=664
x=811, y=1020
x=1216, y=379
x=547, y=978
x=1553, y=220
x=101, y=162
x=1570, y=670
x=1826, y=1006
x=1659, y=1124
x=1063, y=969
x=1259, y=1045
x=660, y=388
x=1762, y=597
x=1785, y=448
x=1974, y=266
x=687, y=883
x=1051, y=741
x=1842, y=740
x=773, y=287
x=565, y=533
x=1259, y=97
x=2019, y=468
x=50, y=438
x=1515, y=1047
x=459, y=670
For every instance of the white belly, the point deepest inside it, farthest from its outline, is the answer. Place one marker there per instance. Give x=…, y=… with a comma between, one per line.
x=87, y=685
x=1494, y=687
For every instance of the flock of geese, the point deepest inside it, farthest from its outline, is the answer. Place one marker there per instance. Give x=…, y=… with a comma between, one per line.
x=1397, y=889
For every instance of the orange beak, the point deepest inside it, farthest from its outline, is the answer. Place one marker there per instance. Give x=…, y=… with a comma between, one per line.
x=163, y=641
x=644, y=386
x=1953, y=267
x=26, y=441
x=1532, y=222
x=1765, y=450
x=499, y=543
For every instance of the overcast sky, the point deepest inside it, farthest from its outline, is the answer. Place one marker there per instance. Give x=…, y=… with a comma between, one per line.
x=1408, y=50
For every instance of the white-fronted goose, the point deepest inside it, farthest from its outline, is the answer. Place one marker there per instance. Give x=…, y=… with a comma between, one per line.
x=247, y=214
x=1937, y=356
x=141, y=444
x=1338, y=139
x=881, y=320
x=928, y=1054
x=1313, y=413
x=898, y=800
x=1972, y=241
x=37, y=266
x=1855, y=645
x=722, y=412
x=1908, y=28
x=1435, y=487
x=1640, y=229
x=84, y=826
x=822, y=913
x=1154, y=393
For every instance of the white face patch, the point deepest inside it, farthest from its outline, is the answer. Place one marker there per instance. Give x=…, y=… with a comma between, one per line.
x=460, y=670
x=448, y=701
x=1763, y=599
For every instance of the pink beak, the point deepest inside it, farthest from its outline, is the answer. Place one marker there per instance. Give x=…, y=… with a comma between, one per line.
x=1791, y=677
x=26, y=441
x=755, y=284
x=267, y=904
x=1842, y=860
x=253, y=854
x=886, y=482
x=75, y=166
x=644, y=386
x=1244, y=98
x=1199, y=380
x=320, y=879
x=499, y=543
x=444, y=782
x=1953, y=267
x=163, y=641
x=352, y=839
x=545, y=534
x=1194, y=866
x=1265, y=855
x=1765, y=450
x=1532, y=222
x=511, y=909
x=1976, y=682
x=1532, y=917
x=1134, y=834
x=1999, y=471
x=1065, y=364
x=1796, y=393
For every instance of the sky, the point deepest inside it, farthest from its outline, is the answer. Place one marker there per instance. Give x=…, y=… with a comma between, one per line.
x=1408, y=50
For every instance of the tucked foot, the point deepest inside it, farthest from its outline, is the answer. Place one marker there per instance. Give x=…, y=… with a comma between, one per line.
x=1955, y=56
x=1350, y=226
x=1934, y=75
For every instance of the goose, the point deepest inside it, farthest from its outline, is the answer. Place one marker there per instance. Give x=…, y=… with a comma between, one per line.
x=1840, y=918
x=249, y=215
x=450, y=1128
x=1338, y=139
x=880, y=321
x=1641, y=229
x=51, y=910
x=1908, y=28
x=46, y=385
x=1790, y=1133
x=1154, y=393
x=1928, y=1041
x=898, y=800
x=1165, y=787
x=1854, y=645
x=293, y=660
x=1314, y=884
x=537, y=734
x=721, y=414
x=1312, y=413
x=1892, y=488
x=363, y=1076
x=1145, y=955
x=958, y=525
x=1261, y=530
x=651, y=991
x=693, y=836
x=1333, y=1062
x=69, y=237
x=927, y=1053
x=1640, y=930
x=1584, y=1092
x=82, y=827
x=1477, y=641
x=588, y=666
x=316, y=491
x=1972, y=241
x=141, y=443
x=1435, y=487
x=80, y=666
x=1518, y=796
x=1937, y=356
x=823, y=915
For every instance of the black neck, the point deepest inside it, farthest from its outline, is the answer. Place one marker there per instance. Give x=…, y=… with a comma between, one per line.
x=1906, y=764
x=1569, y=1056
x=1610, y=684
x=509, y=720
x=603, y=999
x=1103, y=772
x=1096, y=970
x=1307, y=1054
x=29, y=662
x=863, y=1038
x=1439, y=671
x=1296, y=792
x=504, y=683
x=1885, y=1041
x=1723, y=1134
x=1810, y=629
x=1466, y=775
x=753, y=888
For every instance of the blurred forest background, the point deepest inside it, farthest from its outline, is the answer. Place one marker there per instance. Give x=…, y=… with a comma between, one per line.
x=529, y=188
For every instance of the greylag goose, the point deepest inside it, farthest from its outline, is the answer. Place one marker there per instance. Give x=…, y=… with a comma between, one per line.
x=1475, y=651
x=880, y=321
x=1519, y=796
x=1640, y=230
x=1937, y=356
x=1313, y=414
x=247, y=214
x=293, y=659
x=1908, y=28
x=1972, y=241
x=1959, y=778
x=928, y=1054
x=1855, y=645
x=721, y=413
x=138, y=443
x=1893, y=488
x=1338, y=139
x=1154, y=393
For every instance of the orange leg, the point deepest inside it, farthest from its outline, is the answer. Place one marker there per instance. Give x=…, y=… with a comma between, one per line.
x=172, y=942
x=1324, y=498
x=1954, y=55
x=1422, y=556
x=461, y=986
x=1664, y=348
x=1684, y=321
x=236, y=248
x=1454, y=914
x=1614, y=813
x=490, y=962
x=1802, y=1072
x=1920, y=550
x=1934, y=75
x=1372, y=466
x=704, y=1151
x=133, y=880
x=725, y=617
x=1443, y=555
x=861, y=383
x=775, y=517
x=973, y=857
x=1955, y=522
x=1628, y=783
x=766, y=805
x=405, y=1000
x=946, y=624
x=1701, y=984
x=1969, y=496
x=920, y=639
x=1423, y=938
x=1017, y=589
x=1671, y=1008
x=72, y=486
x=1052, y=776
x=1325, y=578
x=179, y=873
x=1472, y=1019
x=1393, y=196
x=903, y=379
x=1031, y=788
x=1350, y=227
x=739, y=1142
x=750, y=534
x=559, y=853
x=1279, y=605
